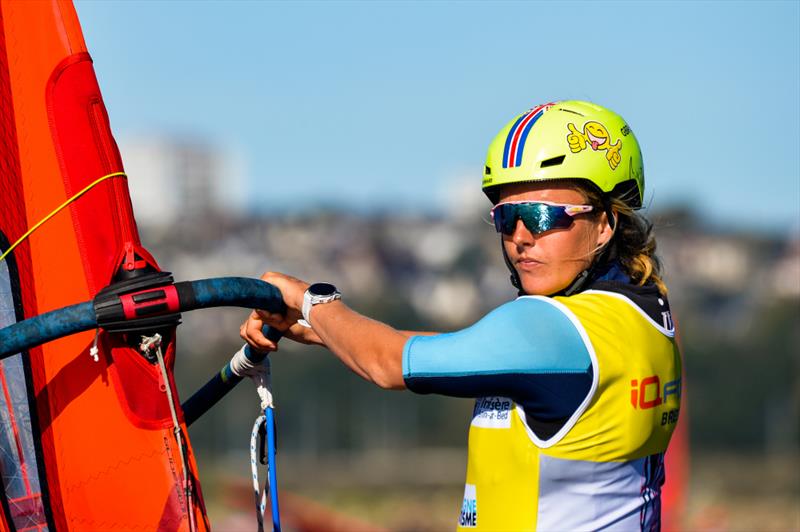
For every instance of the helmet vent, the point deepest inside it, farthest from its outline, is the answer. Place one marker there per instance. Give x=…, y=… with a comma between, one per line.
x=487, y=170
x=570, y=111
x=553, y=161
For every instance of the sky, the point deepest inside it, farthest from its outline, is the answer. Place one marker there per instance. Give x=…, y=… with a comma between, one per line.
x=392, y=105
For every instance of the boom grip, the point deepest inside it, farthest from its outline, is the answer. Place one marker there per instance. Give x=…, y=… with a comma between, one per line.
x=231, y=292
x=140, y=304
x=45, y=327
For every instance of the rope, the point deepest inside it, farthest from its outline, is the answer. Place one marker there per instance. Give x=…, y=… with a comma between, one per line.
x=261, y=496
x=59, y=209
x=154, y=342
x=260, y=373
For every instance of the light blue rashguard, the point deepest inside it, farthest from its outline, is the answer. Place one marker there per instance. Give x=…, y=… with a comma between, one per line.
x=527, y=350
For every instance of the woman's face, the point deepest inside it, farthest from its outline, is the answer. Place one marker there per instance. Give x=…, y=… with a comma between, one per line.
x=548, y=262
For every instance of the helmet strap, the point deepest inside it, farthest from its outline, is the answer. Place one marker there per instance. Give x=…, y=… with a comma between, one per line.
x=612, y=220
x=578, y=283
x=584, y=278
x=515, y=280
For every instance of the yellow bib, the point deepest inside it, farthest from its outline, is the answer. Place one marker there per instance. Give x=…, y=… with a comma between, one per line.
x=604, y=467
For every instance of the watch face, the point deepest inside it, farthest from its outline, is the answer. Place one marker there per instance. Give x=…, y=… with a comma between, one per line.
x=322, y=289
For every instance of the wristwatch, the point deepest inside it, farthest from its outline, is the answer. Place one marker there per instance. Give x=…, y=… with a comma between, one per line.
x=317, y=294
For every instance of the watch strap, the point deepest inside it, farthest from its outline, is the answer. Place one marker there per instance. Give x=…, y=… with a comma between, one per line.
x=309, y=300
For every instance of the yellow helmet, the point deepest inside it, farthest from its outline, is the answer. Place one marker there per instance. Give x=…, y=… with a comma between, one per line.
x=571, y=140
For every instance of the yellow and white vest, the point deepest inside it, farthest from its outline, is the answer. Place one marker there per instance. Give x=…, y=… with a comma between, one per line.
x=604, y=468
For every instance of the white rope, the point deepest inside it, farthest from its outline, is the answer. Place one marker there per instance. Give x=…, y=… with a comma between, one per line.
x=259, y=372
x=94, y=352
x=261, y=375
x=261, y=496
x=154, y=342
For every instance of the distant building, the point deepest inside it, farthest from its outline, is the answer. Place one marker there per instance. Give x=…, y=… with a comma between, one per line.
x=786, y=272
x=175, y=178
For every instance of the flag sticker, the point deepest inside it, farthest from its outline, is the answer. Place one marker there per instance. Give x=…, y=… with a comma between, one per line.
x=515, y=141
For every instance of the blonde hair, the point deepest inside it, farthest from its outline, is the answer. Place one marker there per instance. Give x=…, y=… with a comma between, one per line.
x=633, y=239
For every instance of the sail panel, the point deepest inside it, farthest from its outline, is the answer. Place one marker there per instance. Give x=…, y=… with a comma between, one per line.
x=105, y=451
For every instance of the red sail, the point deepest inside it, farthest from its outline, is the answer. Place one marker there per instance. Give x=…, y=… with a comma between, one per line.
x=85, y=444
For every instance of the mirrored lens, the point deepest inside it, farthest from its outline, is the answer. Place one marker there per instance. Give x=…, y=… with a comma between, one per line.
x=537, y=217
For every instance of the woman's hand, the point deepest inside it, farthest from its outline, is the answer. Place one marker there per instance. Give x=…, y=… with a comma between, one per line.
x=292, y=291
x=370, y=348
x=251, y=331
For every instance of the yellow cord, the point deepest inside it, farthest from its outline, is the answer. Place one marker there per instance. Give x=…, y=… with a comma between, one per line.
x=60, y=207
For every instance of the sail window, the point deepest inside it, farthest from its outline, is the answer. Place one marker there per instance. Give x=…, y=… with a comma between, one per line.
x=18, y=465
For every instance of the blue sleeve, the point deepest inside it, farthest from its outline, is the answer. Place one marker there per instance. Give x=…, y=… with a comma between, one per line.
x=528, y=350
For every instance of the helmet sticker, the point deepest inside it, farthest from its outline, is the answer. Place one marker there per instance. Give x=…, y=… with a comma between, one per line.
x=596, y=136
x=515, y=141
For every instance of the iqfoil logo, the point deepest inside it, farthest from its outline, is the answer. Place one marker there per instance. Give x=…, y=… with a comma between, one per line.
x=647, y=393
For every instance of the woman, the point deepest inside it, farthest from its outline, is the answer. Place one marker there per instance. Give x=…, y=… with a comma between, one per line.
x=577, y=381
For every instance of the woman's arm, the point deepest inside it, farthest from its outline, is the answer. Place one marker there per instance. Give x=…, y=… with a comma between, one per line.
x=528, y=349
x=370, y=348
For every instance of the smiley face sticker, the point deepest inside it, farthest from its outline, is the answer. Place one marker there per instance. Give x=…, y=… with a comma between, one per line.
x=596, y=136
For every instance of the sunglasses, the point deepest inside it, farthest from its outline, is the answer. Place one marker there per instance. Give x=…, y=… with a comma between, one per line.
x=538, y=216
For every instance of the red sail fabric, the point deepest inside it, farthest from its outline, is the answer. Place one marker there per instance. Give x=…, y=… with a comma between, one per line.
x=105, y=453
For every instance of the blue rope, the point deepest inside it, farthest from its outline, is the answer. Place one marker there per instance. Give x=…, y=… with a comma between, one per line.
x=269, y=412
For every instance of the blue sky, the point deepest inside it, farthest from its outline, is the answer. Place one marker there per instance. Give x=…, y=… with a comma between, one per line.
x=392, y=103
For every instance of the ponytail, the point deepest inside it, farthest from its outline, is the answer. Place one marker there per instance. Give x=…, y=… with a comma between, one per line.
x=636, y=246
x=634, y=242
